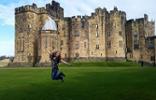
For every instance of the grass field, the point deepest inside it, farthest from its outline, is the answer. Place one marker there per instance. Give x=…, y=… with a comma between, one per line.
x=84, y=81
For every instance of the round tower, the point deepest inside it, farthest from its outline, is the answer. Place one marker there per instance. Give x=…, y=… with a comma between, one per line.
x=48, y=39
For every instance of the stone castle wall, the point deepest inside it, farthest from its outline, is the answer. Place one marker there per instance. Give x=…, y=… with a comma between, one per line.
x=104, y=35
x=138, y=33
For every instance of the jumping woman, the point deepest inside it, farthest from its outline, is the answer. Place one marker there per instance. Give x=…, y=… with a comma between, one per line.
x=55, y=58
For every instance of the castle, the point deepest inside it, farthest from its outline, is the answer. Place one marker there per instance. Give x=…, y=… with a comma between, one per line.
x=105, y=35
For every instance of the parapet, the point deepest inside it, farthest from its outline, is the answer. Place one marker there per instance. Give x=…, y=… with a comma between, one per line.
x=130, y=21
x=85, y=17
x=54, y=3
x=42, y=10
x=139, y=20
x=55, y=10
x=26, y=8
x=54, y=6
x=76, y=17
x=30, y=8
x=118, y=12
x=93, y=14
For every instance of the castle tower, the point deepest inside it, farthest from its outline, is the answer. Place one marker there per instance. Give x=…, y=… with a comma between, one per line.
x=116, y=42
x=84, y=38
x=55, y=10
x=26, y=26
x=75, y=37
x=48, y=39
x=64, y=30
x=97, y=33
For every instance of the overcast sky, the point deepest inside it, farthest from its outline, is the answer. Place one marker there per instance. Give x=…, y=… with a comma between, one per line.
x=133, y=9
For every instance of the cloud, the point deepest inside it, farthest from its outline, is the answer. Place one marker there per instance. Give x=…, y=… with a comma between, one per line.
x=7, y=48
x=84, y=7
x=6, y=14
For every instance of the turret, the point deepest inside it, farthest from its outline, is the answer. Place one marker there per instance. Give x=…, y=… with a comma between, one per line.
x=55, y=10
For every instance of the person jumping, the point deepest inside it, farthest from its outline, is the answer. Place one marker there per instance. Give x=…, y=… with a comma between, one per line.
x=55, y=58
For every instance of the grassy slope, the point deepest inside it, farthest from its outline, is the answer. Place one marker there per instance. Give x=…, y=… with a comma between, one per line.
x=81, y=83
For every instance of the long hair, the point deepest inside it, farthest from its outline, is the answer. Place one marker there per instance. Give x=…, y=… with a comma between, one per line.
x=52, y=55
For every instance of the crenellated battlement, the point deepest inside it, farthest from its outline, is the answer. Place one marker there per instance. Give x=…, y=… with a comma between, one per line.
x=76, y=18
x=54, y=5
x=100, y=10
x=30, y=8
x=115, y=11
x=55, y=10
x=80, y=18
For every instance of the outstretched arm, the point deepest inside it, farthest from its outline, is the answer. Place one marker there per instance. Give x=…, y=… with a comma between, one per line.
x=64, y=62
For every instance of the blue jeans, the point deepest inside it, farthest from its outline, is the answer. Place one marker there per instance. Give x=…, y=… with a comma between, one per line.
x=57, y=75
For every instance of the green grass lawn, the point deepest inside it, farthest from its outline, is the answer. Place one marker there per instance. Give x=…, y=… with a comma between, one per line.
x=84, y=81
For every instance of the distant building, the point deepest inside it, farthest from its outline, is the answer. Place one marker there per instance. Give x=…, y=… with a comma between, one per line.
x=103, y=35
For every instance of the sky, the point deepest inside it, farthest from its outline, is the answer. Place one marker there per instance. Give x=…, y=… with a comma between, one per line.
x=133, y=8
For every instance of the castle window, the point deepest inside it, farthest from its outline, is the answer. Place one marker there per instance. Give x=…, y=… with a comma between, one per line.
x=152, y=58
x=131, y=56
x=61, y=42
x=136, y=46
x=120, y=44
x=150, y=44
x=96, y=26
x=20, y=45
x=49, y=42
x=85, y=44
x=77, y=45
x=97, y=46
x=46, y=42
x=64, y=34
x=29, y=26
x=97, y=33
x=83, y=24
x=65, y=55
x=136, y=41
x=120, y=33
x=77, y=34
x=61, y=48
x=109, y=44
x=57, y=25
x=141, y=56
x=53, y=47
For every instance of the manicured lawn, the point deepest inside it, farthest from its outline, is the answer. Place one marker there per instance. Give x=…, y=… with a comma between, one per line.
x=84, y=81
